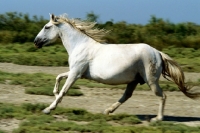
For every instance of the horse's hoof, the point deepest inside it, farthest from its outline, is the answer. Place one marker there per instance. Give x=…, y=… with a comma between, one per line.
x=155, y=119
x=46, y=111
x=106, y=112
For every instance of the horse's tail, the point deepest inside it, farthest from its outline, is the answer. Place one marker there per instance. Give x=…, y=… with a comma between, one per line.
x=171, y=69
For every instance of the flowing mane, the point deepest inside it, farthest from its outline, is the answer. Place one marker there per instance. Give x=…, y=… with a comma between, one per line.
x=84, y=27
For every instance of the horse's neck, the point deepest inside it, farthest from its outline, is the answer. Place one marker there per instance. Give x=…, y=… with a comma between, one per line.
x=72, y=38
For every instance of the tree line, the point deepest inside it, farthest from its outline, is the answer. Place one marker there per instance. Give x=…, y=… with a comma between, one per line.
x=20, y=28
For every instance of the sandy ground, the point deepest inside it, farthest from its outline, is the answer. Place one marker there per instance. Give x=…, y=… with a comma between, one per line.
x=178, y=108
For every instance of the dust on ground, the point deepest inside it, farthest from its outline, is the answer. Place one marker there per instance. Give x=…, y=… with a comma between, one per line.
x=144, y=104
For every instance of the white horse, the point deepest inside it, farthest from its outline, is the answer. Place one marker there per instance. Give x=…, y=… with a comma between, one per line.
x=112, y=64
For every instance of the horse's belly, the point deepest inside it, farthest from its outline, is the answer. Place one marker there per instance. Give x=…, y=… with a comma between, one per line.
x=110, y=80
x=111, y=76
x=116, y=65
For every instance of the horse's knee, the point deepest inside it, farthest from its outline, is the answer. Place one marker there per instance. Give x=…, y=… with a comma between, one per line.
x=58, y=78
x=61, y=76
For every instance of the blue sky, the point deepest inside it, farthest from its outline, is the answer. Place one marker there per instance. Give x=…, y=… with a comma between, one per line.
x=131, y=11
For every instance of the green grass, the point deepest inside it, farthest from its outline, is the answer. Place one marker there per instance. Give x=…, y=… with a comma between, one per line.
x=27, y=54
x=188, y=58
x=169, y=126
x=80, y=120
x=38, y=83
x=83, y=115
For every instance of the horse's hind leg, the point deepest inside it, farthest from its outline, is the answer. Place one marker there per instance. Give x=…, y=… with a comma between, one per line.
x=58, y=79
x=127, y=94
x=162, y=97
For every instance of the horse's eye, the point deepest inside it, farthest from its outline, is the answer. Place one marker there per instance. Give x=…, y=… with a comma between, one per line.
x=47, y=27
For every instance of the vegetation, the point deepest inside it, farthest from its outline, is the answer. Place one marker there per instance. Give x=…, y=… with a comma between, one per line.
x=38, y=83
x=19, y=27
x=27, y=54
x=80, y=120
x=188, y=58
x=159, y=33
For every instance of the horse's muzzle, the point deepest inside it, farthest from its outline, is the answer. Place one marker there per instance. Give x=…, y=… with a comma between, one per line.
x=39, y=42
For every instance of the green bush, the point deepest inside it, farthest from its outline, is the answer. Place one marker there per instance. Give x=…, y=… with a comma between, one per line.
x=18, y=27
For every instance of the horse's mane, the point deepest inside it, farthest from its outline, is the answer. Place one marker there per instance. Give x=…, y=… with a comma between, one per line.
x=85, y=27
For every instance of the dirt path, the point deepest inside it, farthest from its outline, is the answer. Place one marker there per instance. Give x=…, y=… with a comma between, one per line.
x=14, y=68
x=143, y=103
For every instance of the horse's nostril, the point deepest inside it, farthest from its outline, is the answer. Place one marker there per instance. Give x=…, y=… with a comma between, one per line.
x=35, y=41
x=39, y=42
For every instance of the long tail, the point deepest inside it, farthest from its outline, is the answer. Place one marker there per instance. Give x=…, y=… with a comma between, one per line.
x=172, y=70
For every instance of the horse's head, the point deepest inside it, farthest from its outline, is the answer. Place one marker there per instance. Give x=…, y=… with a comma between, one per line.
x=48, y=34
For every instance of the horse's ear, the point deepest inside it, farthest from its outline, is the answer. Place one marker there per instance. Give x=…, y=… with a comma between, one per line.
x=52, y=17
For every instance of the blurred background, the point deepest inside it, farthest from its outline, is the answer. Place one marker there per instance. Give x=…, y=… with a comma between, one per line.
x=171, y=26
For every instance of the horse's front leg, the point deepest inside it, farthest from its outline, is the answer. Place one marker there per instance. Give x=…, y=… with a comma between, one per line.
x=58, y=79
x=72, y=77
